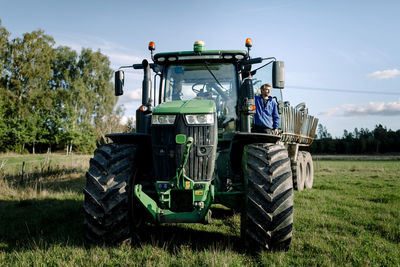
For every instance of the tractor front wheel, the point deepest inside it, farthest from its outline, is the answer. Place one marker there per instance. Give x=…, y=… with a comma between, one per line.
x=267, y=218
x=106, y=193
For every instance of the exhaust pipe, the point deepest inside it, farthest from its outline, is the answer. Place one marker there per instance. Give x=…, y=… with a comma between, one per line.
x=146, y=85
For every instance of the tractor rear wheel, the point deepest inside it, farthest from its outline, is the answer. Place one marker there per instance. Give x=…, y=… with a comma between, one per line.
x=308, y=170
x=298, y=172
x=106, y=193
x=267, y=219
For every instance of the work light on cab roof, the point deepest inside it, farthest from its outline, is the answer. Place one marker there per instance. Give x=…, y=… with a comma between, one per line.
x=152, y=47
x=249, y=44
x=198, y=46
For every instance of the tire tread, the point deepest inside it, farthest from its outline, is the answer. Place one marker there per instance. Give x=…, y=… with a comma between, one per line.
x=106, y=193
x=267, y=221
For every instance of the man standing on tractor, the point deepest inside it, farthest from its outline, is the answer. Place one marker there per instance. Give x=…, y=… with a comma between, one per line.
x=266, y=119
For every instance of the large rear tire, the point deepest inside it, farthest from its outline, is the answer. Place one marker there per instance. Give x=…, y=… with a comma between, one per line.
x=308, y=170
x=106, y=193
x=298, y=172
x=267, y=219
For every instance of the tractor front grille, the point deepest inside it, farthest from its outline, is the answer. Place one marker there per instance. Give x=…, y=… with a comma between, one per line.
x=167, y=154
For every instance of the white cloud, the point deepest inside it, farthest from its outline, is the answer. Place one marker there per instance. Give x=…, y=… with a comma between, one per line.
x=130, y=96
x=371, y=108
x=385, y=74
x=120, y=59
x=118, y=55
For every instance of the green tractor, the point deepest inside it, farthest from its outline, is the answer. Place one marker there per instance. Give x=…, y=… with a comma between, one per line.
x=193, y=147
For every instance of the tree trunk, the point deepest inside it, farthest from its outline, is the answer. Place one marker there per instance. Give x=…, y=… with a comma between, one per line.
x=33, y=148
x=70, y=148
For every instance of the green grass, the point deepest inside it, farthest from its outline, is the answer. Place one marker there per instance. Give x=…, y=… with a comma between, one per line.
x=13, y=162
x=350, y=217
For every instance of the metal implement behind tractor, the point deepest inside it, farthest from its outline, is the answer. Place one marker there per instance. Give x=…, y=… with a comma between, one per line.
x=194, y=148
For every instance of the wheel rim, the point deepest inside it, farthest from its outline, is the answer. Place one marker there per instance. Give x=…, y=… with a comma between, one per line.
x=300, y=177
x=308, y=172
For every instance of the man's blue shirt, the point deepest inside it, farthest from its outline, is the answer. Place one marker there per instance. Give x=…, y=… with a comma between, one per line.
x=267, y=116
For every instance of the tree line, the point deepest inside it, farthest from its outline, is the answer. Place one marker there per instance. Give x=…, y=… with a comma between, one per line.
x=53, y=97
x=363, y=141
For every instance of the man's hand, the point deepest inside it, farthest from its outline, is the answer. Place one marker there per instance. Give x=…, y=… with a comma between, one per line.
x=276, y=131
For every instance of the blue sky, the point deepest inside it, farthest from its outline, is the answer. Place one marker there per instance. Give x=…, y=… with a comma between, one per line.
x=341, y=57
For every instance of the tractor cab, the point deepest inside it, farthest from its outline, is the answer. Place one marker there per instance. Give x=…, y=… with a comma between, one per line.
x=222, y=76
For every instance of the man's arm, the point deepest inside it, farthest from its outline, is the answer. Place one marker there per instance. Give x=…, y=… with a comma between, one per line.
x=275, y=117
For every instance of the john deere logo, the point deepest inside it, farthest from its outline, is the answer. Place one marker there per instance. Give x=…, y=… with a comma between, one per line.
x=180, y=139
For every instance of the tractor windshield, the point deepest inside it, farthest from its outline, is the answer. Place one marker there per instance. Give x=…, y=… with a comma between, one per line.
x=210, y=81
x=204, y=81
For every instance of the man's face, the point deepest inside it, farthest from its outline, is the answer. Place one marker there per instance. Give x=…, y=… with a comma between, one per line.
x=265, y=91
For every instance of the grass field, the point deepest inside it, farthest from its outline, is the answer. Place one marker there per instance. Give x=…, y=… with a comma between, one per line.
x=350, y=217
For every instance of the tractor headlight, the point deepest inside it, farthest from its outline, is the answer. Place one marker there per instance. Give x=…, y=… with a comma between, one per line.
x=200, y=118
x=163, y=119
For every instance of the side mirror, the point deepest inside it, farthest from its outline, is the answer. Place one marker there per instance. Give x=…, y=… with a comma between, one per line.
x=278, y=74
x=119, y=82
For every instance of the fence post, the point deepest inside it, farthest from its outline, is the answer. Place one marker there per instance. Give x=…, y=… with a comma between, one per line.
x=23, y=173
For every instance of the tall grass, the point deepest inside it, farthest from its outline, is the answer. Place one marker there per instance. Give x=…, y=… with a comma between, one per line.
x=350, y=217
x=31, y=176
